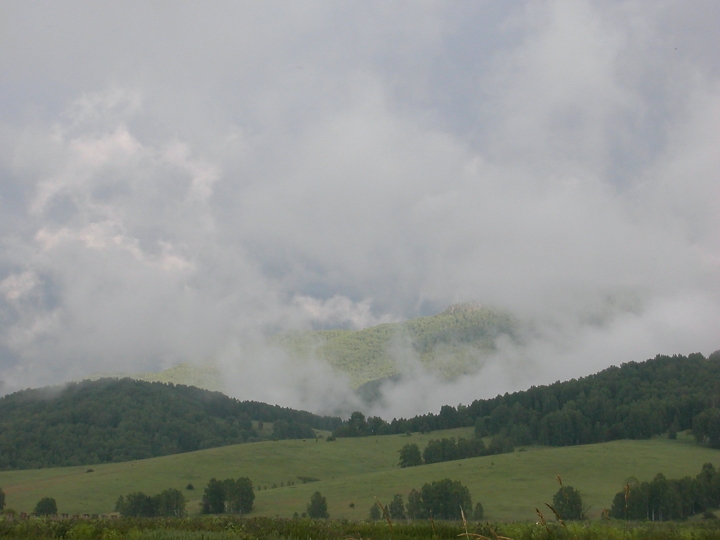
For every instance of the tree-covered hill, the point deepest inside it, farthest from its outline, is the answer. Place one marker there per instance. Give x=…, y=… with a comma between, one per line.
x=637, y=400
x=451, y=343
x=111, y=420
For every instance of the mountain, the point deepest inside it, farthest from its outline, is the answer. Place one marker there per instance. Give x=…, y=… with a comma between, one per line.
x=451, y=344
x=113, y=420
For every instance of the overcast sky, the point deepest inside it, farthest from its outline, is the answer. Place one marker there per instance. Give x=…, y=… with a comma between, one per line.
x=179, y=178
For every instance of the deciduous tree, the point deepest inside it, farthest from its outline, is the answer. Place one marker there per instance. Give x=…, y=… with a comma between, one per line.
x=410, y=456
x=46, y=507
x=317, y=507
x=568, y=503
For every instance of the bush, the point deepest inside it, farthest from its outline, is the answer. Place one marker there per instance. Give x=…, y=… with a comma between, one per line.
x=46, y=507
x=375, y=513
x=317, y=507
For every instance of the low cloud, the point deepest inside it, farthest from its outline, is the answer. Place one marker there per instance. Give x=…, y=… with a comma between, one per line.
x=179, y=183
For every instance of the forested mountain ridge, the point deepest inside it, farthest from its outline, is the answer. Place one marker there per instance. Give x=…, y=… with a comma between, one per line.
x=634, y=401
x=112, y=420
x=451, y=343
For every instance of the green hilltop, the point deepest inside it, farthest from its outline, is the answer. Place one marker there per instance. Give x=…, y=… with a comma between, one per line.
x=452, y=343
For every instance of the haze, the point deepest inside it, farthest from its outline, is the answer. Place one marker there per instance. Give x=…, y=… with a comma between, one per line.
x=178, y=180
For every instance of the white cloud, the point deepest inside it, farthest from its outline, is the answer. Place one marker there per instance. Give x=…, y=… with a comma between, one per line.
x=177, y=181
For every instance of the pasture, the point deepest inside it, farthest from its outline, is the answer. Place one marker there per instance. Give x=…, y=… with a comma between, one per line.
x=351, y=472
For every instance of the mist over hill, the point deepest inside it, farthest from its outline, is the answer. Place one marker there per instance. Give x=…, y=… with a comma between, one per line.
x=179, y=184
x=111, y=420
x=451, y=344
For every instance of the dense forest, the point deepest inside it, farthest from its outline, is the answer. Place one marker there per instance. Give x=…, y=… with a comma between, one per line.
x=112, y=420
x=637, y=400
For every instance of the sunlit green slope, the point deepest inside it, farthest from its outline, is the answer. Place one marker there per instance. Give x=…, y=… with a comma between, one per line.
x=452, y=343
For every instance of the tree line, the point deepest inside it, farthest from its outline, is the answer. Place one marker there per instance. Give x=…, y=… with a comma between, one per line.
x=664, y=499
x=112, y=420
x=447, y=449
x=637, y=400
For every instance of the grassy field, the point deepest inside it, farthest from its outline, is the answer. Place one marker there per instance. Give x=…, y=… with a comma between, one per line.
x=353, y=471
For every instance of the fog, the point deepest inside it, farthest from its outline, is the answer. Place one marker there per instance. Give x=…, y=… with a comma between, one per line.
x=179, y=181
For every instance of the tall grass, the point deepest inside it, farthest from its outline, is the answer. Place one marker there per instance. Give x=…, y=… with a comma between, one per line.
x=230, y=527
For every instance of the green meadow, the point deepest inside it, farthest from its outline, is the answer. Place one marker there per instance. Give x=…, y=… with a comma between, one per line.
x=351, y=472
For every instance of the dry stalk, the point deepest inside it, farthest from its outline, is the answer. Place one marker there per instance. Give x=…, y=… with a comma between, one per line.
x=385, y=513
x=542, y=520
x=556, y=515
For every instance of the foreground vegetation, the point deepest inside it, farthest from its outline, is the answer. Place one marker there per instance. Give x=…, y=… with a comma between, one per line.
x=226, y=527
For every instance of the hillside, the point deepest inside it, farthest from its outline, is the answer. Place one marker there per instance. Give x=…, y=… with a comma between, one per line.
x=637, y=400
x=510, y=486
x=112, y=420
x=452, y=343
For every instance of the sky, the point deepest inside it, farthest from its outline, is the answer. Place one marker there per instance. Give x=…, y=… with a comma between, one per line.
x=179, y=180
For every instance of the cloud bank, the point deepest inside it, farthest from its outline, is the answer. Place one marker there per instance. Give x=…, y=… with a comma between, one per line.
x=179, y=180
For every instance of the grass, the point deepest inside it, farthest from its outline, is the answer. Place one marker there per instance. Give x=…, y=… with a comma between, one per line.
x=233, y=527
x=354, y=471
